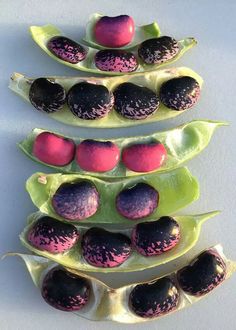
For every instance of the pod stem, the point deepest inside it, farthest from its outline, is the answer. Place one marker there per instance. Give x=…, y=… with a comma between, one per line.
x=233, y=267
x=201, y=218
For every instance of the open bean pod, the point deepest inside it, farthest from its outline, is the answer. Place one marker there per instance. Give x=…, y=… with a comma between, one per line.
x=181, y=144
x=43, y=34
x=138, y=302
x=74, y=197
x=68, y=245
x=153, y=81
x=141, y=33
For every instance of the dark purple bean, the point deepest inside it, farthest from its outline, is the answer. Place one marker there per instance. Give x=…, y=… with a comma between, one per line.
x=204, y=273
x=157, y=237
x=155, y=298
x=138, y=201
x=65, y=291
x=76, y=201
x=46, y=95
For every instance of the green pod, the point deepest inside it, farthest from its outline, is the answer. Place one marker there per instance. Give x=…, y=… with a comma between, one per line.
x=182, y=144
x=176, y=189
x=190, y=227
x=106, y=303
x=142, y=33
x=42, y=34
x=153, y=80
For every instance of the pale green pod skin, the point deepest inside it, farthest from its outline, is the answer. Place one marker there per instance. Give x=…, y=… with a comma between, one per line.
x=152, y=80
x=190, y=228
x=176, y=189
x=42, y=34
x=111, y=304
x=182, y=144
x=142, y=33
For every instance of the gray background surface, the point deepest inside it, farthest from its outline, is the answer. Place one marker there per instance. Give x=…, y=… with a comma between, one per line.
x=212, y=23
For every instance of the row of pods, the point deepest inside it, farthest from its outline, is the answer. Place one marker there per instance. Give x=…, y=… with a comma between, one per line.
x=152, y=237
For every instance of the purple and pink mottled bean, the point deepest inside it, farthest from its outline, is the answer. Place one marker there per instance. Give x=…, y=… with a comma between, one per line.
x=137, y=202
x=76, y=201
x=48, y=234
x=66, y=49
x=115, y=60
x=157, y=237
x=102, y=248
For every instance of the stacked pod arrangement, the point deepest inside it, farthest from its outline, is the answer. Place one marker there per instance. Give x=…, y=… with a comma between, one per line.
x=112, y=205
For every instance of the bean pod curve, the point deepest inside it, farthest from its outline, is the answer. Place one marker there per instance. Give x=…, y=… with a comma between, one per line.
x=74, y=197
x=120, y=101
x=109, y=61
x=137, y=302
x=122, y=157
x=101, y=249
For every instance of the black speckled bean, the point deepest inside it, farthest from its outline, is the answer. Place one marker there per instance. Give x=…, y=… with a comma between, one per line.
x=180, y=93
x=135, y=102
x=158, y=50
x=89, y=101
x=46, y=95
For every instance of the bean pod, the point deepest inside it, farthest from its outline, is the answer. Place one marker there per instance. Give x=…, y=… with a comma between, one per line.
x=113, y=105
x=96, y=249
x=75, y=197
x=122, y=157
x=44, y=35
x=69, y=290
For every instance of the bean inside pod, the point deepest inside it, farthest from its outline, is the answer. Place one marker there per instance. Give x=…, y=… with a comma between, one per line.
x=123, y=113
x=123, y=157
x=137, y=302
x=108, y=249
x=128, y=36
x=43, y=36
x=101, y=201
